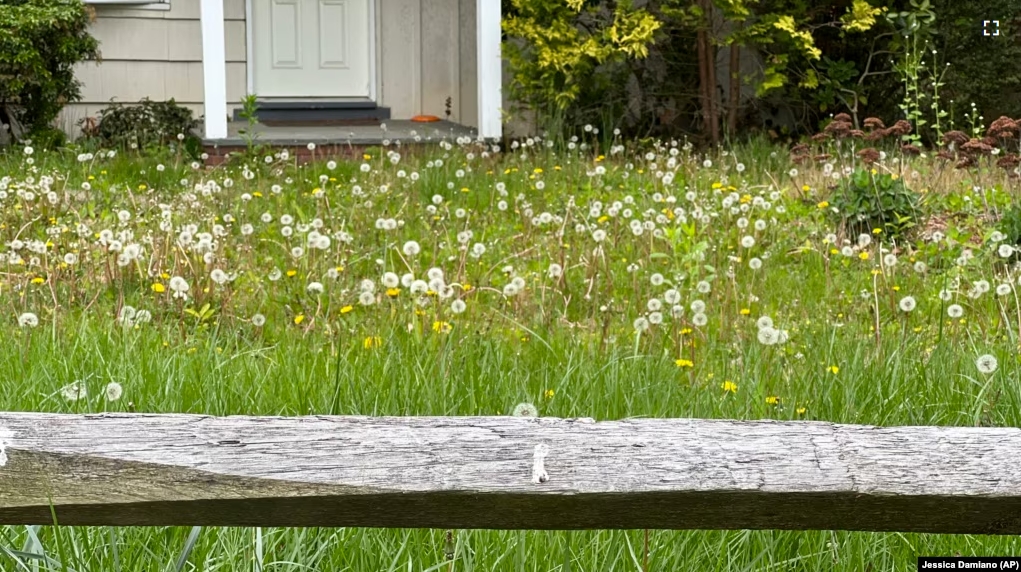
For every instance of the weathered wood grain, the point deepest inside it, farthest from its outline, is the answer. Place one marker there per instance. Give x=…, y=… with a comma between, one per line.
x=504, y=472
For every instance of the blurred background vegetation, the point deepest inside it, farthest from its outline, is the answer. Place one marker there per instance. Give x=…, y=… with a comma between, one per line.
x=661, y=67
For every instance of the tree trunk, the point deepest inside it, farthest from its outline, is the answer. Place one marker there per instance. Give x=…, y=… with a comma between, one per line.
x=714, y=115
x=703, y=74
x=735, y=88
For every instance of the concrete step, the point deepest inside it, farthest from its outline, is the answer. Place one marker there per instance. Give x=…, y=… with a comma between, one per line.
x=319, y=112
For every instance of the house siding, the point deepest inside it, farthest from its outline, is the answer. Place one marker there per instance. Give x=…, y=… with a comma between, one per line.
x=155, y=54
x=425, y=54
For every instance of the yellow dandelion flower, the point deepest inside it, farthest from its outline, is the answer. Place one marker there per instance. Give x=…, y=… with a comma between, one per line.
x=772, y=400
x=346, y=309
x=158, y=287
x=864, y=256
x=684, y=363
x=802, y=410
x=745, y=311
x=442, y=327
x=299, y=319
x=366, y=156
x=823, y=204
x=372, y=342
x=537, y=170
x=291, y=273
x=38, y=280
x=717, y=185
x=833, y=369
x=393, y=292
x=256, y=194
x=806, y=188
x=142, y=187
x=548, y=394
x=603, y=218
x=729, y=386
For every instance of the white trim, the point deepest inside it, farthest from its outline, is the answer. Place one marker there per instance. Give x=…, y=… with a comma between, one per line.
x=214, y=69
x=126, y=2
x=488, y=33
x=249, y=50
x=373, y=36
x=130, y=4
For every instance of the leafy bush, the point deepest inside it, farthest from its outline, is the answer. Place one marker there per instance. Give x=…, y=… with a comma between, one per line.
x=983, y=69
x=580, y=58
x=148, y=124
x=40, y=42
x=867, y=200
x=1010, y=224
x=634, y=65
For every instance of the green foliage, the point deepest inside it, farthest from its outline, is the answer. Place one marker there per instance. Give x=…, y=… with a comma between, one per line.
x=562, y=43
x=580, y=61
x=249, y=112
x=868, y=200
x=983, y=69
x=1010, y=224
x=148, y=124
x=914, y=29
x=40, y=42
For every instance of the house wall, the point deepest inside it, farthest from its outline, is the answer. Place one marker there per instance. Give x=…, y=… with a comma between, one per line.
x=425, y=54
x=155, y=54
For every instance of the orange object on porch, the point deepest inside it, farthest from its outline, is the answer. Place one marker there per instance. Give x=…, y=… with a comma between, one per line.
x=425, y=118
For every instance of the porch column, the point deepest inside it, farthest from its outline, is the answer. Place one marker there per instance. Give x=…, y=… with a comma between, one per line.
x=214, y=69
x=488, y=32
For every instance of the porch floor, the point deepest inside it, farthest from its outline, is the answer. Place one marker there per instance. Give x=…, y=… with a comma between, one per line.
x=404, y=131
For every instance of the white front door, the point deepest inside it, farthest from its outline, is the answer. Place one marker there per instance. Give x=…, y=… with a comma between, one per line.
x=311, y=48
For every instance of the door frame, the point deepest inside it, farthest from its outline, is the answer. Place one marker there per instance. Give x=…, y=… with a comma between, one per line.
x=374, y=34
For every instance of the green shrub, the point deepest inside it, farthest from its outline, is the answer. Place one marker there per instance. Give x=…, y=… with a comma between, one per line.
x=145, y=125
x=1010, y=224
x=983, y=69
x=40, y=42
x=867, y=200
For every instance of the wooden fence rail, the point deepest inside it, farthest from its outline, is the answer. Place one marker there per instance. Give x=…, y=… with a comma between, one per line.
x=506, y=473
